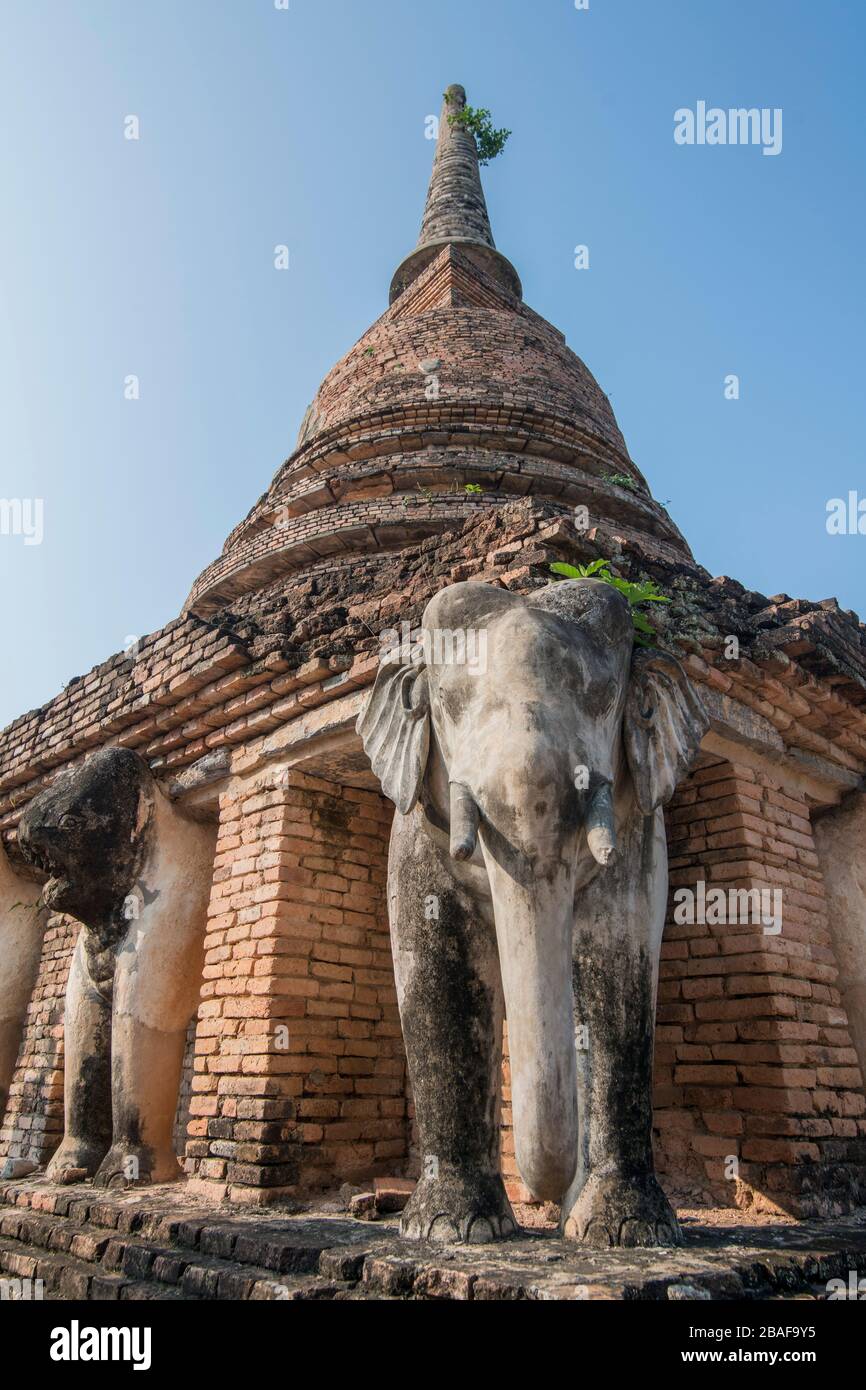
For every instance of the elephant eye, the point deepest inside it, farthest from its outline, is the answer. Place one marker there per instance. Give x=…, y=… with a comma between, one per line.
x=68, y=821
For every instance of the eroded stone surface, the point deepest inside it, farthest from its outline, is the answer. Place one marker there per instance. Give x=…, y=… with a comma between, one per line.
x=159, y=1243
x=392, y=493
x=137, y=875
x=528, y=786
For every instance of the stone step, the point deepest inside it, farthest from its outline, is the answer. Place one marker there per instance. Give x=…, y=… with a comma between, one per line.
x=137, y=1269
x=277, y=1243
x=64, y=1277
x=157, y=1243
x=78, y=1257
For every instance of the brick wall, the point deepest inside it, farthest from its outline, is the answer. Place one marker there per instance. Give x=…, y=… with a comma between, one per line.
x=33, y=1122
x=753, y=1054
x=299, y=1068
x=514, y=1184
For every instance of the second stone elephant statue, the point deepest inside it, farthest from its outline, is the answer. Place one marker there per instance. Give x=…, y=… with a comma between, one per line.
x=137, y=875
x=528, y=747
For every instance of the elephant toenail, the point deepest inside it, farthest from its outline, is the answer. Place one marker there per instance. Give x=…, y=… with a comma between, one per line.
x=598, y=1236
x=442, y=1230
x=635, y=1234
x=480, y=1231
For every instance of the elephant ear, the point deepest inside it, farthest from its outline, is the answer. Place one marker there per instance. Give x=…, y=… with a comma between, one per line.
x=663, y=724
x=395, y=730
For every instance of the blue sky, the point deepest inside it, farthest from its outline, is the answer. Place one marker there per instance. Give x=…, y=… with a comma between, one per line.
x=261, y=126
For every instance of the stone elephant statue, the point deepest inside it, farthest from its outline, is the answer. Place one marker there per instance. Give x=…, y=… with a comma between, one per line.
x=137, y=875
x=22, y=925
x=528, y=748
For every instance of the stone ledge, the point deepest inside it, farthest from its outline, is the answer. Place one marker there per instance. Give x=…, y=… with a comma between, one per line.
x=159, y=1243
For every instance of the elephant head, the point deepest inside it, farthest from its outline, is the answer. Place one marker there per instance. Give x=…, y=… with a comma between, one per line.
x=531, y=737
x=90, y=831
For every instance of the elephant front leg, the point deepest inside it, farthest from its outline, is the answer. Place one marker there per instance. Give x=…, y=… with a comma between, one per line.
x=616, y=1199
x=451, y=1011
x=87, y=1070
x=145, y=1079
x=155, y=993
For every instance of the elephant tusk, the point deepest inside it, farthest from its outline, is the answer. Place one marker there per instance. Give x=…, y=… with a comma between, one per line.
x=601, y=825
x=464, y=822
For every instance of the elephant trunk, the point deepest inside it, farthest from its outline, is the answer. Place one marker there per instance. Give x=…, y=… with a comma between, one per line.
x=534, y=929
x=601, y=824
x=464, y=822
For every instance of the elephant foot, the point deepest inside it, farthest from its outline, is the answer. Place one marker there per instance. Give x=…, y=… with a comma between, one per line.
x=458, y=1209
x=134, y=1165
x=75, y=1161
x=613, y=1210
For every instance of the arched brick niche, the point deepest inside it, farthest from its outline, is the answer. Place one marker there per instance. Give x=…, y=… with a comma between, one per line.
x=300, y=1073
x=840, y=838
x=32, y=1123
x=759, y=1097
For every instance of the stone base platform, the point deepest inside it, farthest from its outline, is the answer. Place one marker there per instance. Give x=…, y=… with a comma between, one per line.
x=160, y=1243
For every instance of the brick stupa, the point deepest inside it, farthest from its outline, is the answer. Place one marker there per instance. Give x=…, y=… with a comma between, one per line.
x=455, y=441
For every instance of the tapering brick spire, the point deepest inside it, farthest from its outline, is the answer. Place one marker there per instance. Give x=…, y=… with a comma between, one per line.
x=387, y=450
x=456, y=212
x=456, y=209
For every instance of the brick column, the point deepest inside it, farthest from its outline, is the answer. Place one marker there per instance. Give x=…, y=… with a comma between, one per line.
x=33, y=1121
x=299, y=1072
x=753, y=1052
